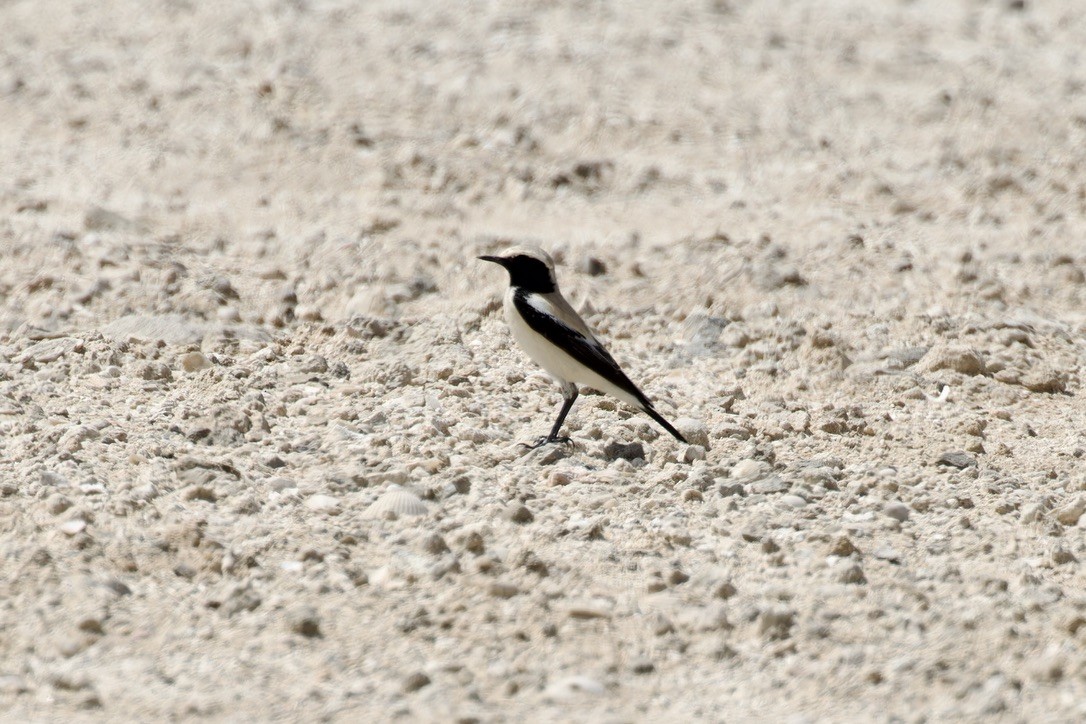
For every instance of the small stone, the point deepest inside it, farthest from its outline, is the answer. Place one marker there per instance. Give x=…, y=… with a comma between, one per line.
x=304, y=621
x=314, y=364
x=592, y=266
x=322, y=503
x=694, y=431
x=769, y=484
x=748, y=468
x=957, y=459
x=155, y=371
x=194, y=362
x=559, y=477
x=281, y=484
x=642, y=666
x=57, y=503
x=199, y=492
x=852, y=575
x=953, y=357
x=1061, y=555
x=727, y=490
x=415, y=681
x=693, y=452
x=677, y=577
x=73, y=526
x=589, y=609
x=723, y=589
x=91, y=624
x=502, y=589
x=615, y=450
x=434, y=544
x=886, y=553
x=474, y=543
x=776, y=623
x=184, y=570
x=1069, y=514
x=518, y=513
x=897, y=510
x=843, y=547
x=793, y=501
x=1044, y=379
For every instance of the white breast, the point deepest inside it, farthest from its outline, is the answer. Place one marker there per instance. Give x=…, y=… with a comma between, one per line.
x=557, y=363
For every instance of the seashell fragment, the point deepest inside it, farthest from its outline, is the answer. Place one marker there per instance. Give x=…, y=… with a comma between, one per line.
x=396, y=502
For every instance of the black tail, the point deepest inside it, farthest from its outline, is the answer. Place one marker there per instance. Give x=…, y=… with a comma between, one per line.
x=664, y=423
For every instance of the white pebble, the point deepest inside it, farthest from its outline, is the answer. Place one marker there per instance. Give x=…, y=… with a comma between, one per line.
x=748, y=468
x=897, y=510
x=793, y=501
x=322, y=503
x=693, y=452
x=73, y=526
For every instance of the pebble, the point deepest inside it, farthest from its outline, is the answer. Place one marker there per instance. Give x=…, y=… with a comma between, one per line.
x=693, y=452
x=843, y=547
x=793, y=501
x=434, y=544
x=615, y=450
x=194, y=362
x=695, y=431
x=559, y=477
x=322, y=503
x=953, y=357
x=304, y=621
x=502, y=589
x=592, y=266
x=57, y=503
x=957, y=459
x=73, y=526
x=50, y=350
x=518, y=513
x=415, y=681
x=770, y=484
x=886, y=553
x=776, y=623
x=1070, y=513
x=897, y=510
x=852, y=574
x=748, y=468
x=589, y=609
x=281, y=484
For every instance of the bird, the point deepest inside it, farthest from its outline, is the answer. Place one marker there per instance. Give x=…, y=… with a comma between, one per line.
x=558, y=340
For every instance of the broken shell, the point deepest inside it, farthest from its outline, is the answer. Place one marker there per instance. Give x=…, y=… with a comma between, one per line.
x=398, y=501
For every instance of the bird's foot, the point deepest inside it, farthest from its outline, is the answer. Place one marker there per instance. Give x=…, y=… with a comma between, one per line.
x=546, y=440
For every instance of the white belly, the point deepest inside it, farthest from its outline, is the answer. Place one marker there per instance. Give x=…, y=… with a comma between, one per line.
x=557, y=363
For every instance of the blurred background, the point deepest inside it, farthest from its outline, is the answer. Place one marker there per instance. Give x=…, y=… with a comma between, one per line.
x=358, y=155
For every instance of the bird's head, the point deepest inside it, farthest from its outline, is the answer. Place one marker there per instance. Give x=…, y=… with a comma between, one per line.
x=530, y=268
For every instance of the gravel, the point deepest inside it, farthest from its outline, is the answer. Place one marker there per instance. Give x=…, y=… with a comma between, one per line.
x=261, y=419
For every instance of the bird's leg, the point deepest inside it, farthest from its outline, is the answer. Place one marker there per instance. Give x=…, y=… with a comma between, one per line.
x=569, y=392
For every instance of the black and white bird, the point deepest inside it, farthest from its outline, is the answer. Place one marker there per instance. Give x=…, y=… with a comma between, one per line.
x=559, y=341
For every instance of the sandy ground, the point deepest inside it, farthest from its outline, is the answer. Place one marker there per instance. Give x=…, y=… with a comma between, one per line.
x=260, y=416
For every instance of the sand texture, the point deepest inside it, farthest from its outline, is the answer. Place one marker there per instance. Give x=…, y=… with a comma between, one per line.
x=261, y=418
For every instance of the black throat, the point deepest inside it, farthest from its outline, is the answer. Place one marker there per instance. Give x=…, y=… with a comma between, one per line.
x=529, y=274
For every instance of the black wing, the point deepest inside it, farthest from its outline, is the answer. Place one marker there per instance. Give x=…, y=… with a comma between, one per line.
x=587, y=351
